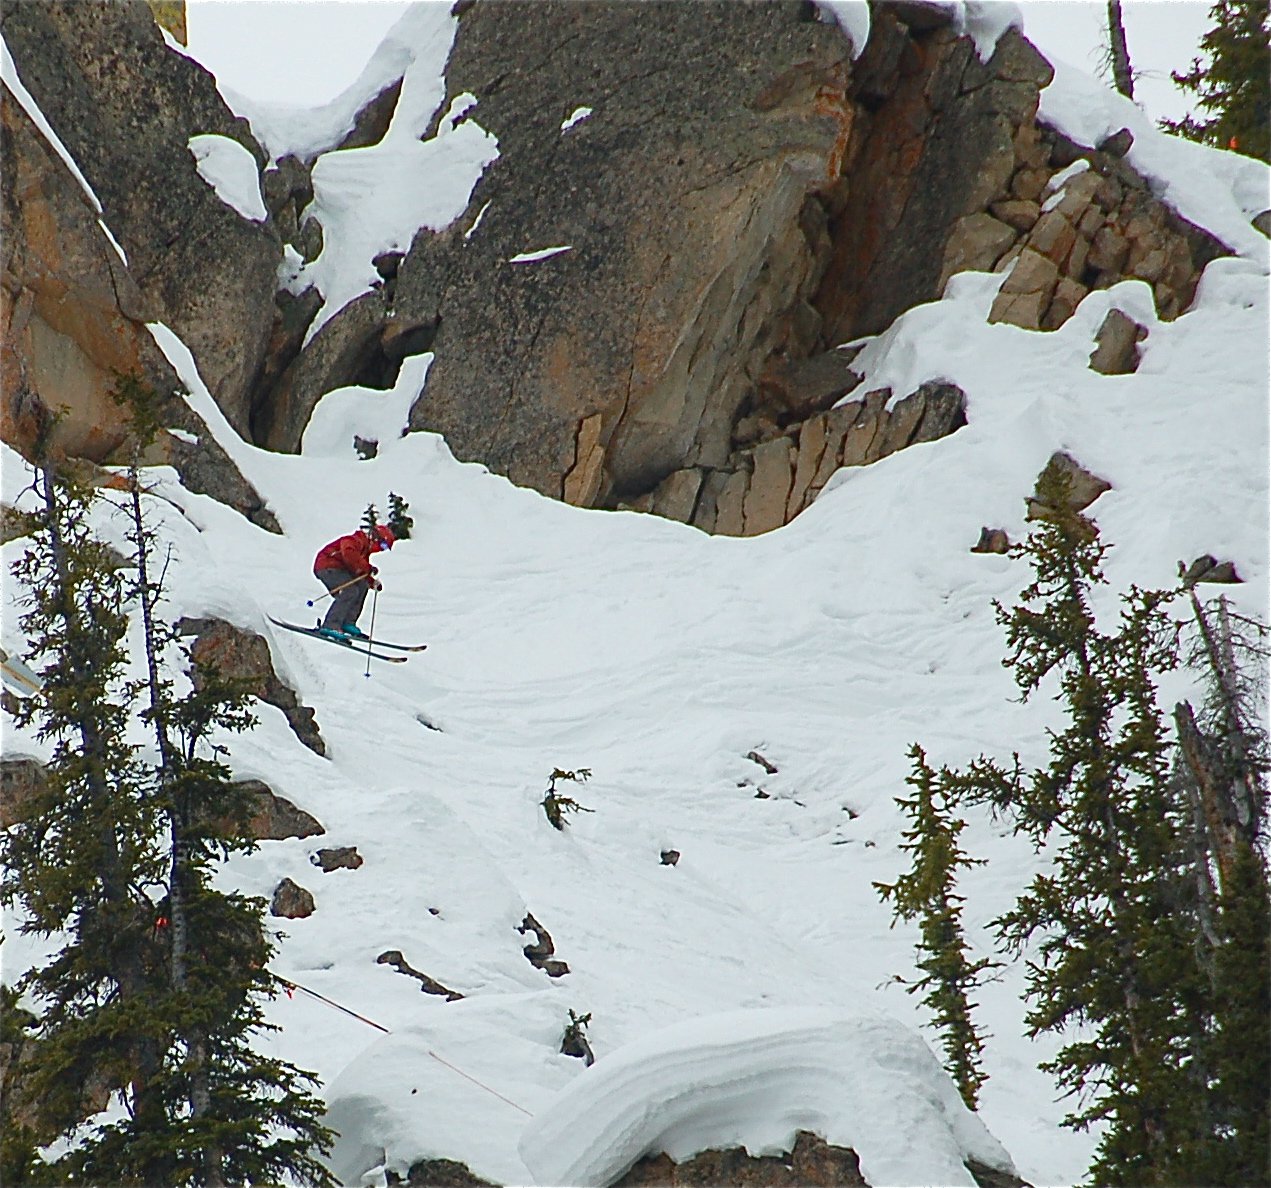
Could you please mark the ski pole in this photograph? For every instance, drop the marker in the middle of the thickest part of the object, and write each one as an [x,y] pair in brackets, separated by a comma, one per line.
[375,601]
[336,590]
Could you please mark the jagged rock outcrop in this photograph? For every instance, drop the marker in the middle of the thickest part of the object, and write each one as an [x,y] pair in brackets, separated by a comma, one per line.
[768,484]
[811,1161]
[723,237]
[1087,221]
[73,322]
[274,817]
[125,106]
[245,655]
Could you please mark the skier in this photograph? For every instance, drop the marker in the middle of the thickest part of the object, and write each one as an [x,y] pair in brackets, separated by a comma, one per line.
[344,567]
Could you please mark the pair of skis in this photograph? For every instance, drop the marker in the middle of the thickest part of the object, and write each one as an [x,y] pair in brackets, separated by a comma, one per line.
[363,646]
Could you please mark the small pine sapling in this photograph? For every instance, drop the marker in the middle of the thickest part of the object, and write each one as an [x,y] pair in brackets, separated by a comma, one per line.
[574,1041]
[399,519]
[927,894]
[556,805]
[370,518]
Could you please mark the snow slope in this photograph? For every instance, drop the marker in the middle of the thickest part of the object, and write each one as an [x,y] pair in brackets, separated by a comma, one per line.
[660,659]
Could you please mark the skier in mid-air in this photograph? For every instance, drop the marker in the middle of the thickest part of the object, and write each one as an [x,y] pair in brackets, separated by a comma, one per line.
[344,567]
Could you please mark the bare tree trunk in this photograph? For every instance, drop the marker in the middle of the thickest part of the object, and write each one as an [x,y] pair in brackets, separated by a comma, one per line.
[1122,75]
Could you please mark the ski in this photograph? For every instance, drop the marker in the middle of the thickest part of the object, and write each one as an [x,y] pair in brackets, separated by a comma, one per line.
[383,643]
[351,645]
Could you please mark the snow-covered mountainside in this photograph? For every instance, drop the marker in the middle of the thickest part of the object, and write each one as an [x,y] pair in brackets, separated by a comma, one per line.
[745,703]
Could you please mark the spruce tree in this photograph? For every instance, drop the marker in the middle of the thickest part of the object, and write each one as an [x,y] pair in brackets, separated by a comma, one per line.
[161,993]
[1224,768]
[1233,87]
[1113,918]
[399,519]
[927,894]
[84,864]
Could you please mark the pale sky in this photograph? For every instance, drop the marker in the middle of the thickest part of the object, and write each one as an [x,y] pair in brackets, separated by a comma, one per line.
[307,51]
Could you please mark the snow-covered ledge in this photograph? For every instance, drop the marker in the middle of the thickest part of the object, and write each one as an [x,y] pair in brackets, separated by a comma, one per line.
[754,1078]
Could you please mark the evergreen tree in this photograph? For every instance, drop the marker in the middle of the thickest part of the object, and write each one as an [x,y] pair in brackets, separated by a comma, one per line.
[85,862]
[399,516]
[1224,765]
[161,992]
[1114,917]
[1234,87]
[927,893]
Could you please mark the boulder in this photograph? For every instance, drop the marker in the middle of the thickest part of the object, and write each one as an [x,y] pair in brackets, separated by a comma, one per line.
[338,858]
[540,952]
[245,656]
[291,901]
[1082,487]
[1025,294]
[1207,568]
[992,540]
[125,106]
[1116,351]
[979,241]
[1118,144]
[443,1173]
[274,817]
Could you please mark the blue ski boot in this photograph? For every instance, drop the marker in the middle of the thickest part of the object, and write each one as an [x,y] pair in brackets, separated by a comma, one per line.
[353,631]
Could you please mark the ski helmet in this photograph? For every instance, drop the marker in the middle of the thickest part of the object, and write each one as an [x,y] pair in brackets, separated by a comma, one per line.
[384,536]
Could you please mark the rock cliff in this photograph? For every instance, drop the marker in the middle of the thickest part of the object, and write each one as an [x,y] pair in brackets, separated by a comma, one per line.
[741,197]
[733,192]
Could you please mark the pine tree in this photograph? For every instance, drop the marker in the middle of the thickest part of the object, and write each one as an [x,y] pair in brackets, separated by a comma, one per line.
[927,894]
[160,985]
[240,1118]
[1224,766]
[83,863]
[1234,87]
[399,516]
[1114,918]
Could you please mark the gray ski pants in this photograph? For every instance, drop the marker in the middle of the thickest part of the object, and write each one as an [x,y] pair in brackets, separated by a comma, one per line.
[345,606]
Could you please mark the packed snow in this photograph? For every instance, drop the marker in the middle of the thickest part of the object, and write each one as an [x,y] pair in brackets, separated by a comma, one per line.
[748,989]
[756,1078]
[540,254]
[231,171]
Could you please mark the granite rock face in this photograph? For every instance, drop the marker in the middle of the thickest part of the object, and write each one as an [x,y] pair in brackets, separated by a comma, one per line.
[742,197]
[125,107]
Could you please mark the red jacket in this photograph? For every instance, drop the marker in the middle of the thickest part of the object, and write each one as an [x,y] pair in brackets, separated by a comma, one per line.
[351,553]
